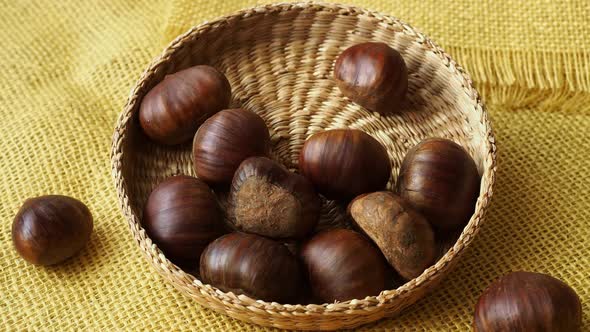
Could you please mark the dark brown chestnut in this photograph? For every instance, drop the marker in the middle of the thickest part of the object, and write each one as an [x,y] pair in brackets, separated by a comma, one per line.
[372,75]
[267,199]
[440,180]
[405,238]
[252,265]
[171,112]
[225,140]
[445,241]
[182,217]
[49,229]
[344,163]
[343,265]
[293,246]
[528,301]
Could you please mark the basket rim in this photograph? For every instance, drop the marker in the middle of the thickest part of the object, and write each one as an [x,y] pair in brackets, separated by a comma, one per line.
[367,304]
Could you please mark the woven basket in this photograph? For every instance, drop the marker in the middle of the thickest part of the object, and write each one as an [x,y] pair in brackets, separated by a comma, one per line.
[279,61]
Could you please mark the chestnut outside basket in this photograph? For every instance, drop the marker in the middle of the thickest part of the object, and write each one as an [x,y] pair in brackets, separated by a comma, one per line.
[279,60]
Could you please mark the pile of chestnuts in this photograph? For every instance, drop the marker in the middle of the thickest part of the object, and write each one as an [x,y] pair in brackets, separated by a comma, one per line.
[263,242]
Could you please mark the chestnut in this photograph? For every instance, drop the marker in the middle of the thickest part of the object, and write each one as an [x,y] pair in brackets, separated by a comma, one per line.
[225,140]
[252,265]
[293,246]
[440,180]
[268,200]
[182,216]
[528,301]
[49,229]
[372,75]
[405,238]
[343,265]
[344,163]
[445,241]
[171,112]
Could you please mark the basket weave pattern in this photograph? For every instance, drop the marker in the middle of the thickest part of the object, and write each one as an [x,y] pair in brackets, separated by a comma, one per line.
[279,61]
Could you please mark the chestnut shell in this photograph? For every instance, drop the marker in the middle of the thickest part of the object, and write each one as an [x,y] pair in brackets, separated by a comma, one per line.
[182,217]
[440,180]
[342,265]
[171,112]
[268,200]
[372,75]
[344,163]
[528,301]
[404,236]
[252,265]
[225,140]
[49,229]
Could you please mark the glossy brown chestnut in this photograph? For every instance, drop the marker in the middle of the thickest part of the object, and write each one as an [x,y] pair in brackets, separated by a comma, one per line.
[405,238]
[49,229]
[445,241]
[171,112]
[440,180]
[293,246]
[343,265]
[225,140]
[267,199]
[252,265]
[344,163]
[182,217]
[372,75]
[528,301]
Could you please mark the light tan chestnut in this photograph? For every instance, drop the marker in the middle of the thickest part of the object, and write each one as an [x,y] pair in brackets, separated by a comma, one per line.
[403,235]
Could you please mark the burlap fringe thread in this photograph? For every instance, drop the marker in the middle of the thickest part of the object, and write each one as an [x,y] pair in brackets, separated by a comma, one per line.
[527,69]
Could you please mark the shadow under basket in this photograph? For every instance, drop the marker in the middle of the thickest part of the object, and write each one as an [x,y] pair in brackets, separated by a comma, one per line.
[279,60]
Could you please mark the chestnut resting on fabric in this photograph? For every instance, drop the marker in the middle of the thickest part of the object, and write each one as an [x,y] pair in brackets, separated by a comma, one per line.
[49,229]
[528,301]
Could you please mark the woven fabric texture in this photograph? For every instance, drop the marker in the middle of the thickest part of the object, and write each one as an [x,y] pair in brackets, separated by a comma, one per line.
[65,72]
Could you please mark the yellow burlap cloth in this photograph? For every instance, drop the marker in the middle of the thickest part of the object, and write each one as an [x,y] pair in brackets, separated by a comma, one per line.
[66,68]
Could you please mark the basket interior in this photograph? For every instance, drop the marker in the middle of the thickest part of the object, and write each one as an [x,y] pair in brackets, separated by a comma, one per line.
[281,67]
